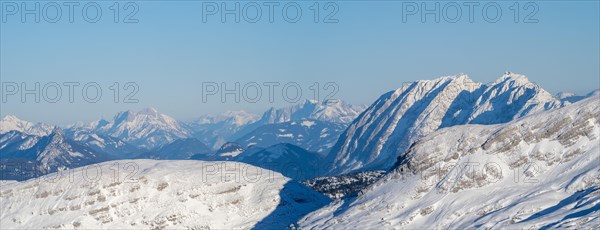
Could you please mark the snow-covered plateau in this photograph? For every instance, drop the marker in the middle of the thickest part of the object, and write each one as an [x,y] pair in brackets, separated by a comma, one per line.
[150,194]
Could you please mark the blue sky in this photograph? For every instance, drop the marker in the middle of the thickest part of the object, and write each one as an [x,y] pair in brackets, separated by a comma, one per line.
[170,52]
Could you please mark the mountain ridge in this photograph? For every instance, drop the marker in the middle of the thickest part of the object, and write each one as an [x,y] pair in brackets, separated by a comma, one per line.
[538,171]
[402,116]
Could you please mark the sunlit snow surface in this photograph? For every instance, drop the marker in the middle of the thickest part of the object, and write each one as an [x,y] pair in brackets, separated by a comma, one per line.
[541,171]
[145,194]
[400,117]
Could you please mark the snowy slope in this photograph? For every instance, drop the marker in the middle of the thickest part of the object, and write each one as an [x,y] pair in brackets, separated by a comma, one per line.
[313,135]
[541,171]
[145,129]
[148,194]
[401,117]
[10,122]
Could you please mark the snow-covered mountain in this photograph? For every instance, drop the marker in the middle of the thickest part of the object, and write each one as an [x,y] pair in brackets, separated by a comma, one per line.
[313,135]
[113,146]
[572,97]
[13,141]
[149,194]
[290,160]
[26,156]
[131,133]
[181,149]
[336,111]
[565,95]
[215,130]
[311,125]
[11,122]
[333,110]
[146,129]
[401,117]
[231,118]
[230,149]
[537,172]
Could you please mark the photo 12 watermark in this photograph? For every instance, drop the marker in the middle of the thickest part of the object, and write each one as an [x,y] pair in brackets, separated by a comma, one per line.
[69,11]
[470,11]
[270,12]
[70,92]
[254,92]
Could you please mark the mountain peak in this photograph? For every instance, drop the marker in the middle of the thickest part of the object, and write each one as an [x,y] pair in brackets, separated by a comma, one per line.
[149,111]
[10,118]
[12,122]
[425,106]
[56,138]
[563,95]
[236,117]
[130,115]
[513,77]
[462,77]
[57,131]
[332,110]
[459,79]
[329,102]
[123,115]
[146,128]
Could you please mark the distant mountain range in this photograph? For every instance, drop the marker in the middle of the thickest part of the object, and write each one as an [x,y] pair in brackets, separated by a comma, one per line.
[314,135]
[571,97]
[340,136]
[330,116]
[216,130]
[25,156]
[10,122]
[152,135]
[442,153]
[146,129]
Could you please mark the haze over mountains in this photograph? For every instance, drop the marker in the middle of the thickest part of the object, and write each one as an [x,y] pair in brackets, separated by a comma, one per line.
[442,153]
[215,130]
[372,141]
[149,134]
